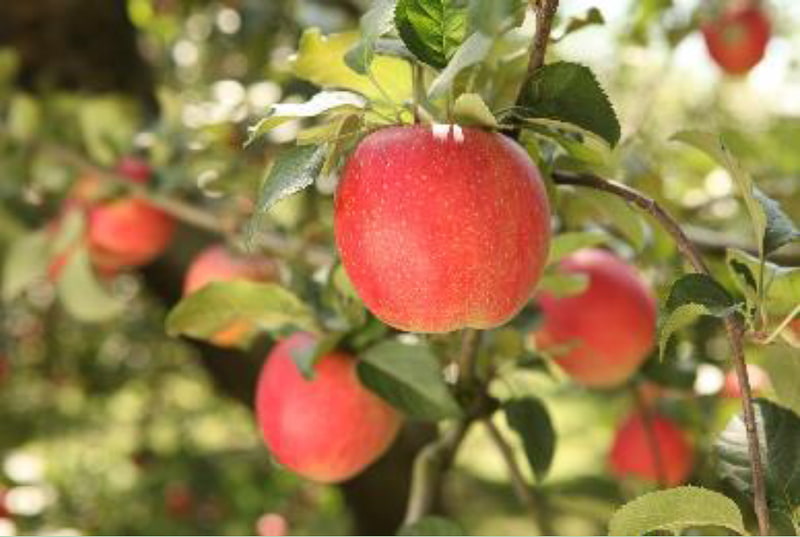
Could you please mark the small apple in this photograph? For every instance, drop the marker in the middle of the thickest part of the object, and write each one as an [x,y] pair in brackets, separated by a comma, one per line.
[441,228]
[738,38]
[632,452]
[601,335]
[217,263]
[272,525]
[328,428]
[759,382]
[178,500]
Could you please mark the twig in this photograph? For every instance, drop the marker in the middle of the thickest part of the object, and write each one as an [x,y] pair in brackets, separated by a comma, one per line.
[545,11]
[435,459]
[733,324]
[650,431]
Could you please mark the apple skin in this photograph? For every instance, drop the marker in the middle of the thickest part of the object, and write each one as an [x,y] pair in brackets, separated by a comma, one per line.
[631,453]
[329,428]
[602,335]
[438,233]
[759,382]
[737,39]
[272,525]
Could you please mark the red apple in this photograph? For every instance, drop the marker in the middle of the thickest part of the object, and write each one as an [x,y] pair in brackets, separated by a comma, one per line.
[602,335]
[442,230]
[272,525]
[737,39]
[178,500]
[759,382]
[326,429]
[5,367]
[632,451]
[217,263]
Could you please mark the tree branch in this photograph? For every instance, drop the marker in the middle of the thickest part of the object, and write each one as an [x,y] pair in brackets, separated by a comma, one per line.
[733,324]
[545,11]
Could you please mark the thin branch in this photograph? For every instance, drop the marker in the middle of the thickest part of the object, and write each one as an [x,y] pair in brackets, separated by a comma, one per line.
[733,324]
[545,11]
[524,493]
[646,413]
[435,459]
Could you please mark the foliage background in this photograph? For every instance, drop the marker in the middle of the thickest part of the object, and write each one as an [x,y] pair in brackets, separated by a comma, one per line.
[117,429]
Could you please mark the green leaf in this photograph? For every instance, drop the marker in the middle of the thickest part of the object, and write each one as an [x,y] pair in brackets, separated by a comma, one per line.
[305,359]
[779,436]
[432,29]
[471,52]
[570,242]
[492,17]
[563,284]
[692,296]
[783,367]
[25,261]
[292,171]
[408,377]
[569,92]
[675,510]
[470,109]
[24,117]
[82,295]
[374,23]
[432,525]
[780,229]
[249,306]
[772,227]
[320,60]
[108,126]
[322,102]
[592,17]
[781,284]
[531,421]
[600,206]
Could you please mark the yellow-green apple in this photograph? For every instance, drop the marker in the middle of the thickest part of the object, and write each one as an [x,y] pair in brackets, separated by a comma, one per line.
[217,263]
[737,38]
[632,451]
[442,227]
[601,335]
[327,428]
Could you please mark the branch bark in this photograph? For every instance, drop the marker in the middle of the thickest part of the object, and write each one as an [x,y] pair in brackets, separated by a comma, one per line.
[545,11]
[733,324]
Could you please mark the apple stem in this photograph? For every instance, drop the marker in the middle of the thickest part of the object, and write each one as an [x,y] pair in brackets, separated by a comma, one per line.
[545,11]
[649,429]
[418,81]
[733,324]
[525,495]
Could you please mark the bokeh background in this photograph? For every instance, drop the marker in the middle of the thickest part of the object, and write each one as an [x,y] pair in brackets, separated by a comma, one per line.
[115,428]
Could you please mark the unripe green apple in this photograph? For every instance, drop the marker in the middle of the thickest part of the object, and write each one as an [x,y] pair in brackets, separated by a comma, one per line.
[328,428]
[216,264]
[601,335]
[738,38]
[443,227]
[632,451]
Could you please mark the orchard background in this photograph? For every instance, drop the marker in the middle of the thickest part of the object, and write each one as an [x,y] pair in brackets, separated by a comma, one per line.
[168,178]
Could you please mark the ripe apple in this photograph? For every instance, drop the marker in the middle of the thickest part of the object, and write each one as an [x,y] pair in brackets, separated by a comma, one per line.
[272,525]
[737,39]
[178,500]
[217,263]
[328,428]
[4,370]
[632,453]
[601,335]
[759,382]
[441,228]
